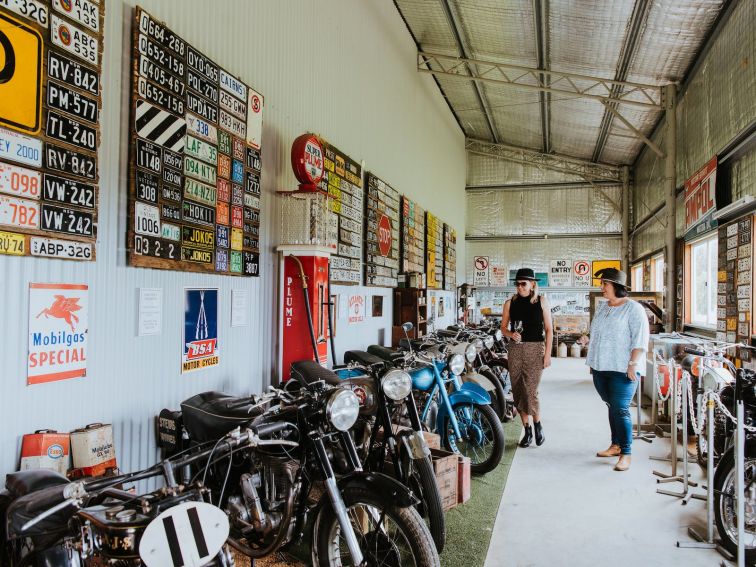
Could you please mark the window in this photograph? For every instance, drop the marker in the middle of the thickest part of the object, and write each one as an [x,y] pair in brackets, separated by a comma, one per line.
[657,273]
[636,277]
[703,282]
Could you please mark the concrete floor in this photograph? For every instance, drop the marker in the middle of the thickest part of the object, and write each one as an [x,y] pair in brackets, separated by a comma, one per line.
[562,506]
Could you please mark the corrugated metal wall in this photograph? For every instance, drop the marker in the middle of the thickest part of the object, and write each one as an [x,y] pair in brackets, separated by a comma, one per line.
[345,70]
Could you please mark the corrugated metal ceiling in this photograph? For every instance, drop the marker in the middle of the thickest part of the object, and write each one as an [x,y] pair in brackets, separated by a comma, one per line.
[646,41]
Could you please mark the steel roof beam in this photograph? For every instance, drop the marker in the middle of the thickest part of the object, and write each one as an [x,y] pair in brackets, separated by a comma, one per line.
[527,78]
[541,17]
[539,186]
[545,236]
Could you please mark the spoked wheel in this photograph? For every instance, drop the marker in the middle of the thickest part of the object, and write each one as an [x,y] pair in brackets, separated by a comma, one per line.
[510,411]
[725,504]
[498,398]
[387,535]
[422,482]
[482,436]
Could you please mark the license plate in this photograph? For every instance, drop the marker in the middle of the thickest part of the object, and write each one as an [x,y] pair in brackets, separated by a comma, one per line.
[251,229]
[237,239]
[70,131]
[155,247]
[239,147]
[12,244]
[251,215]
[221,261]
[253,183]
[160,97]
[157,54]
[251,201]
[72,39]
[236,262]
[56,248]
[224,190]
[201,128]
[199,192]
[200,214]
[221,213]
[170,212]
[237,172]
[19,181]
[198,237]
[19,212]
[232,124]
[202,86]
[201,107]
[251,263]
[69,192]
[197,255]
[253,159]
[224,142]
[31,9]
[172,177]
[224,166]
[233,105]
[146,219]
[201,150]
[200,170]
[65,220]
[237,195]
[161,34]
[81,11]
[170,231]
[221,236]
[160,76]
[66,100]
[237,217]
[253,243]
[232,85]
[20,148]
[70,161]
[200,63]
[149,155]
[72,73]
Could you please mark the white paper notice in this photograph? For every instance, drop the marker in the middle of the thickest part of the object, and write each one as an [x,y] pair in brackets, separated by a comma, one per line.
[150,311]
[239,307]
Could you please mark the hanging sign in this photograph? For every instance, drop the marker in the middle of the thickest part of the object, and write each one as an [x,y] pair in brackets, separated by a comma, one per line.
[498,276]
[481,270]
[581,273]
[602,264]
[20,74]
[200,345]
[700,200]
[560,273]
[58,332]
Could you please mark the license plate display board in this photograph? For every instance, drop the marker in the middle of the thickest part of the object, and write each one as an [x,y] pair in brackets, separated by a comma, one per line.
[50,127]
[450,258]
[193,124]
[381,233]
[434,251]
[413,237]
[342,179]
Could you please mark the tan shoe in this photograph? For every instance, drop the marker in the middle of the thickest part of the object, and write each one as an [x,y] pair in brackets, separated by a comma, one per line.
[623,464]
[612,451]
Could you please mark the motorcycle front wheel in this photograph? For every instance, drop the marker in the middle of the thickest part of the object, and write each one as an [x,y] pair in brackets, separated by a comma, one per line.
[498,398]
[482,437]
[725,502]
[387,534]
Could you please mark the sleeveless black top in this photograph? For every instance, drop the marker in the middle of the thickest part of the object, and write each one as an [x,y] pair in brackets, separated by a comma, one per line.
[531,315]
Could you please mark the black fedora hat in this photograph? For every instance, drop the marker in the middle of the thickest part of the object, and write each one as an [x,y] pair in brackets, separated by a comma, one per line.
[613,275]
[525,274]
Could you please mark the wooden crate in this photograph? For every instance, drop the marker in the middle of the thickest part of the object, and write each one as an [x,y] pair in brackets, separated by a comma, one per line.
[445,465]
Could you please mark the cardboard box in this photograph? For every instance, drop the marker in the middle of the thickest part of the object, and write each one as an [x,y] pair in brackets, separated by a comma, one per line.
[445,466]
[93,450]
[46,449]
[433,440]
[463,479]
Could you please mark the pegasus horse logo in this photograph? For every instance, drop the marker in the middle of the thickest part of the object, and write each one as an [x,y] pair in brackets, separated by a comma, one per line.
[63,308]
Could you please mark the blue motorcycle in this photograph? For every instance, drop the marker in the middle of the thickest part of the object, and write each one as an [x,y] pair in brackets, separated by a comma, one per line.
[460,413]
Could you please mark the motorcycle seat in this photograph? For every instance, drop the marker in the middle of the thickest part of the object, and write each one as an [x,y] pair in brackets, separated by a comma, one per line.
[211,415]
[387,354]
[23,482]
[28,506]
[417,344]
[365,359]
[309,371]
[447,334]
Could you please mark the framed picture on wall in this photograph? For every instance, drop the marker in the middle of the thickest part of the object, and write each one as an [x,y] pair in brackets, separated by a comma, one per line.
[377,306]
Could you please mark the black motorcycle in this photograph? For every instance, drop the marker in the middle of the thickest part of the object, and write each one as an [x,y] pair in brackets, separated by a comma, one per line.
[275,495]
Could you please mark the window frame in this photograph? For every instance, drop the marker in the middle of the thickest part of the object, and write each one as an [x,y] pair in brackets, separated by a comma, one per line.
[712,237]
[636,281]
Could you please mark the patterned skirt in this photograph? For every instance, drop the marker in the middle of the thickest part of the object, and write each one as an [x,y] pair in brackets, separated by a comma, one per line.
[525,369]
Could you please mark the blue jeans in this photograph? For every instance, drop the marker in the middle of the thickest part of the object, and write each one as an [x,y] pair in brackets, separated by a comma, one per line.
[617,391]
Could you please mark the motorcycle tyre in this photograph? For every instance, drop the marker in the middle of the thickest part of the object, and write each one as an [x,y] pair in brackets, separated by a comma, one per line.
[498,398]
[726,464]
[424,480]
[407,519]
[498,442]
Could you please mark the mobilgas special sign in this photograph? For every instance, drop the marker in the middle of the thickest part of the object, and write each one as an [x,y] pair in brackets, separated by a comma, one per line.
[58,332]
[200,346]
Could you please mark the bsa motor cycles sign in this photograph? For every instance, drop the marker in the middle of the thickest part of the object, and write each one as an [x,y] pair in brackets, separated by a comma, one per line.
[200,346]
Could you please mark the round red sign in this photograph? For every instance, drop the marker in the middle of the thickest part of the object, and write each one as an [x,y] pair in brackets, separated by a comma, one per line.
[307,159]
[385,236]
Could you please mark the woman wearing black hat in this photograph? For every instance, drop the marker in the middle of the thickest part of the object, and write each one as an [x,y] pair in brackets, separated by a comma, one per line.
[531,332]
[616,356]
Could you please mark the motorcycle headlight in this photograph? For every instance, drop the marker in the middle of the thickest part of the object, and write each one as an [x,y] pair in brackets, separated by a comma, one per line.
[457,363]
[342,409]
[488,341]
[478,344]
[499,335]
[396,384]
[471,352]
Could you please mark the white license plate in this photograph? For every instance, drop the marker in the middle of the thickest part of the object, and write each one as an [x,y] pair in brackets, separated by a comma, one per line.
[82,11]
[31,9]
[200,170]
[233,85]
[201,128]
[201,150]
[251,201]
[171,231]
[233,124]
[74,40]
[233,105]
[147,219]
[19,212]
[56,248]
[19,148]
[19,181]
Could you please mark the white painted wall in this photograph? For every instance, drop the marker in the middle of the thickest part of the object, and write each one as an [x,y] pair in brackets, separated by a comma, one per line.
[342,69]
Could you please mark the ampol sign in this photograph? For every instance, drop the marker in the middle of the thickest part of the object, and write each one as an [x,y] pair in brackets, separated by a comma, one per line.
[701,200]
[57,332]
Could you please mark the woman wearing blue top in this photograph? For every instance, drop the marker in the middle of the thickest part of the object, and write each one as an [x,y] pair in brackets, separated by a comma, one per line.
[616,356]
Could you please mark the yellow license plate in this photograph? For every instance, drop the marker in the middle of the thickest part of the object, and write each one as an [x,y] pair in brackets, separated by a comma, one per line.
[11,243]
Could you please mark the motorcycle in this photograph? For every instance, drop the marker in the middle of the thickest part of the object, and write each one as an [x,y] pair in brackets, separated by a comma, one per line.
[276,495]
[385,395]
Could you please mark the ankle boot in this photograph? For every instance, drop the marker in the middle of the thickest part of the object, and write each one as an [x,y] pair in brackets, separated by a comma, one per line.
[539,436]
[612,451]
[527,438]
[623,463]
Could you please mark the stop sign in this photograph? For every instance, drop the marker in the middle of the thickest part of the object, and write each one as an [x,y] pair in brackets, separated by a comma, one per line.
[384,235]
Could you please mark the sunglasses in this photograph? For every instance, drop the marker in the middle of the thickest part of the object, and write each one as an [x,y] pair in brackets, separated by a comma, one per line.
[521,284]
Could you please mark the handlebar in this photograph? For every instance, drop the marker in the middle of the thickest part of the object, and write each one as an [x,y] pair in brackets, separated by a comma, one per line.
[694,351]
